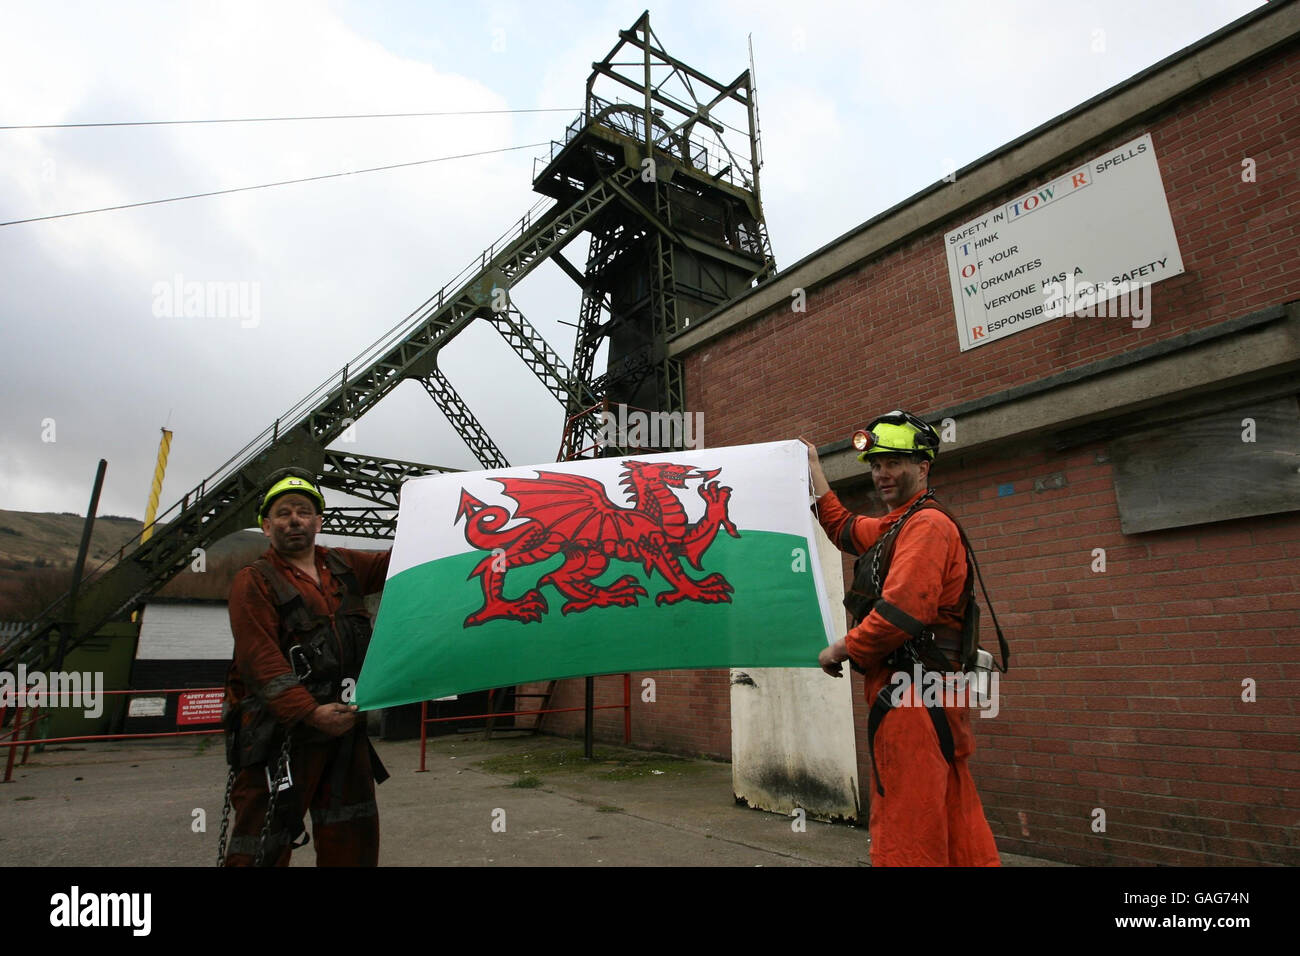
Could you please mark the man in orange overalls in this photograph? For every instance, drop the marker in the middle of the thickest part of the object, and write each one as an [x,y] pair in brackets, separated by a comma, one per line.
[301,632]
[924,808]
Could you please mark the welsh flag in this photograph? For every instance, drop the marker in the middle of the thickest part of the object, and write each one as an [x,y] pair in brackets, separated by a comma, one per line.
[679,560]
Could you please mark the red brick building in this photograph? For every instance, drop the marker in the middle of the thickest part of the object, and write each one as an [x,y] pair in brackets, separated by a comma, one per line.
[1161,690]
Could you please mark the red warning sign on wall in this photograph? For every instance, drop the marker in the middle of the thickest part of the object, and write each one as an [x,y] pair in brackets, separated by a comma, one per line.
[199,707]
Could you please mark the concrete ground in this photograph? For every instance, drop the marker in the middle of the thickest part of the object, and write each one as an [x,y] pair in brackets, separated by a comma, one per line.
[529,801]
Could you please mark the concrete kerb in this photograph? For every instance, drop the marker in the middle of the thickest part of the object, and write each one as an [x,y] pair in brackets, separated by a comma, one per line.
[134,804]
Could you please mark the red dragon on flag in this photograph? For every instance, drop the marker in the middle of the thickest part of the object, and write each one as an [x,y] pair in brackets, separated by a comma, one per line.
[572,515]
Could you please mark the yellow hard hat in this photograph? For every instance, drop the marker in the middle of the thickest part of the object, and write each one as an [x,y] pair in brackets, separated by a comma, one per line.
[896,433]
[290,485]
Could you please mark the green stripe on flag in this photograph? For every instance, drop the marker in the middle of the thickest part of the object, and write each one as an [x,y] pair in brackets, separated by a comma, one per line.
[421,650]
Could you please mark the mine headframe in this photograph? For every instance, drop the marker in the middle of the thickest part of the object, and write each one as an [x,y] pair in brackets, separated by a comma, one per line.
[686,235]
[676,230]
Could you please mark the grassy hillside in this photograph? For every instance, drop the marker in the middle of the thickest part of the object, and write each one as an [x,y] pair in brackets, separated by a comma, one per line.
[35,540]
[37,552]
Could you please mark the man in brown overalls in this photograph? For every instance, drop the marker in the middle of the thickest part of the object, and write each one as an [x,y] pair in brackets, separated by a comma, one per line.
[301,632]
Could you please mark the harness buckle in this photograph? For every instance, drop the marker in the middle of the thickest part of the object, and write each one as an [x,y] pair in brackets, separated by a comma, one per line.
[910,647]
[299,656]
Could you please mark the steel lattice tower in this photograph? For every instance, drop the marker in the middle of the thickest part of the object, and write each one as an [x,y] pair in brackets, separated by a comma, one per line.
[676,230]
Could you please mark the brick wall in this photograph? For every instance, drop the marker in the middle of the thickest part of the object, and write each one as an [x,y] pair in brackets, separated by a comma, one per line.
[690,712]
[885,333]
[1125,693]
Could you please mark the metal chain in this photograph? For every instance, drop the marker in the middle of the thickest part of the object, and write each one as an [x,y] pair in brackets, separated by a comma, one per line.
[225,818]
[884,538]
[908,646]
[281,769]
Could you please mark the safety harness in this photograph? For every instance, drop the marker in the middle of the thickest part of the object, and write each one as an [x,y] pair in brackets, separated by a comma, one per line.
[323,651]
[932,647]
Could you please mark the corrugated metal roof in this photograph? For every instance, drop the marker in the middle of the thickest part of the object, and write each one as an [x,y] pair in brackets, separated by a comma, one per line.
[184,631]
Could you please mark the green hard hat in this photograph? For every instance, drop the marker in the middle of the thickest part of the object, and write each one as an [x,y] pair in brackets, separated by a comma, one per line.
[290,485]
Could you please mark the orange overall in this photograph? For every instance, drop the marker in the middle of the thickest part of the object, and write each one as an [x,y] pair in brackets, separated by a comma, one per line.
[332,777]
[930,814]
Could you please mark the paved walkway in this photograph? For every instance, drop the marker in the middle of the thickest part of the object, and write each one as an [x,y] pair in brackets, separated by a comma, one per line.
[135,803]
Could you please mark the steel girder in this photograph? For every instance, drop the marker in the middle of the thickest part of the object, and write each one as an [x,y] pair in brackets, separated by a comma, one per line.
[361,522]
[471,431]
[376,479]
[225,501]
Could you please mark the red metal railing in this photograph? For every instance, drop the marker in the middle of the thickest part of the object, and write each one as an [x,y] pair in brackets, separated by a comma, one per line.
[425,720]
[626,707]
[17,729]
[26,744]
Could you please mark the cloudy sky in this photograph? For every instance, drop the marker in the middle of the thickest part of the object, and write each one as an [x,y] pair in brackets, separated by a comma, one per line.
[862,104]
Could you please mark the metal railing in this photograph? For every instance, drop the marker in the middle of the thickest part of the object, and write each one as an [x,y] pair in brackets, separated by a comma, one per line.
[426,720]
[710,157]
[14,743]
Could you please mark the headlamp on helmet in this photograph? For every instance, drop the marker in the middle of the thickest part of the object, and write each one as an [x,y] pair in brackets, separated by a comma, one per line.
[896,433]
